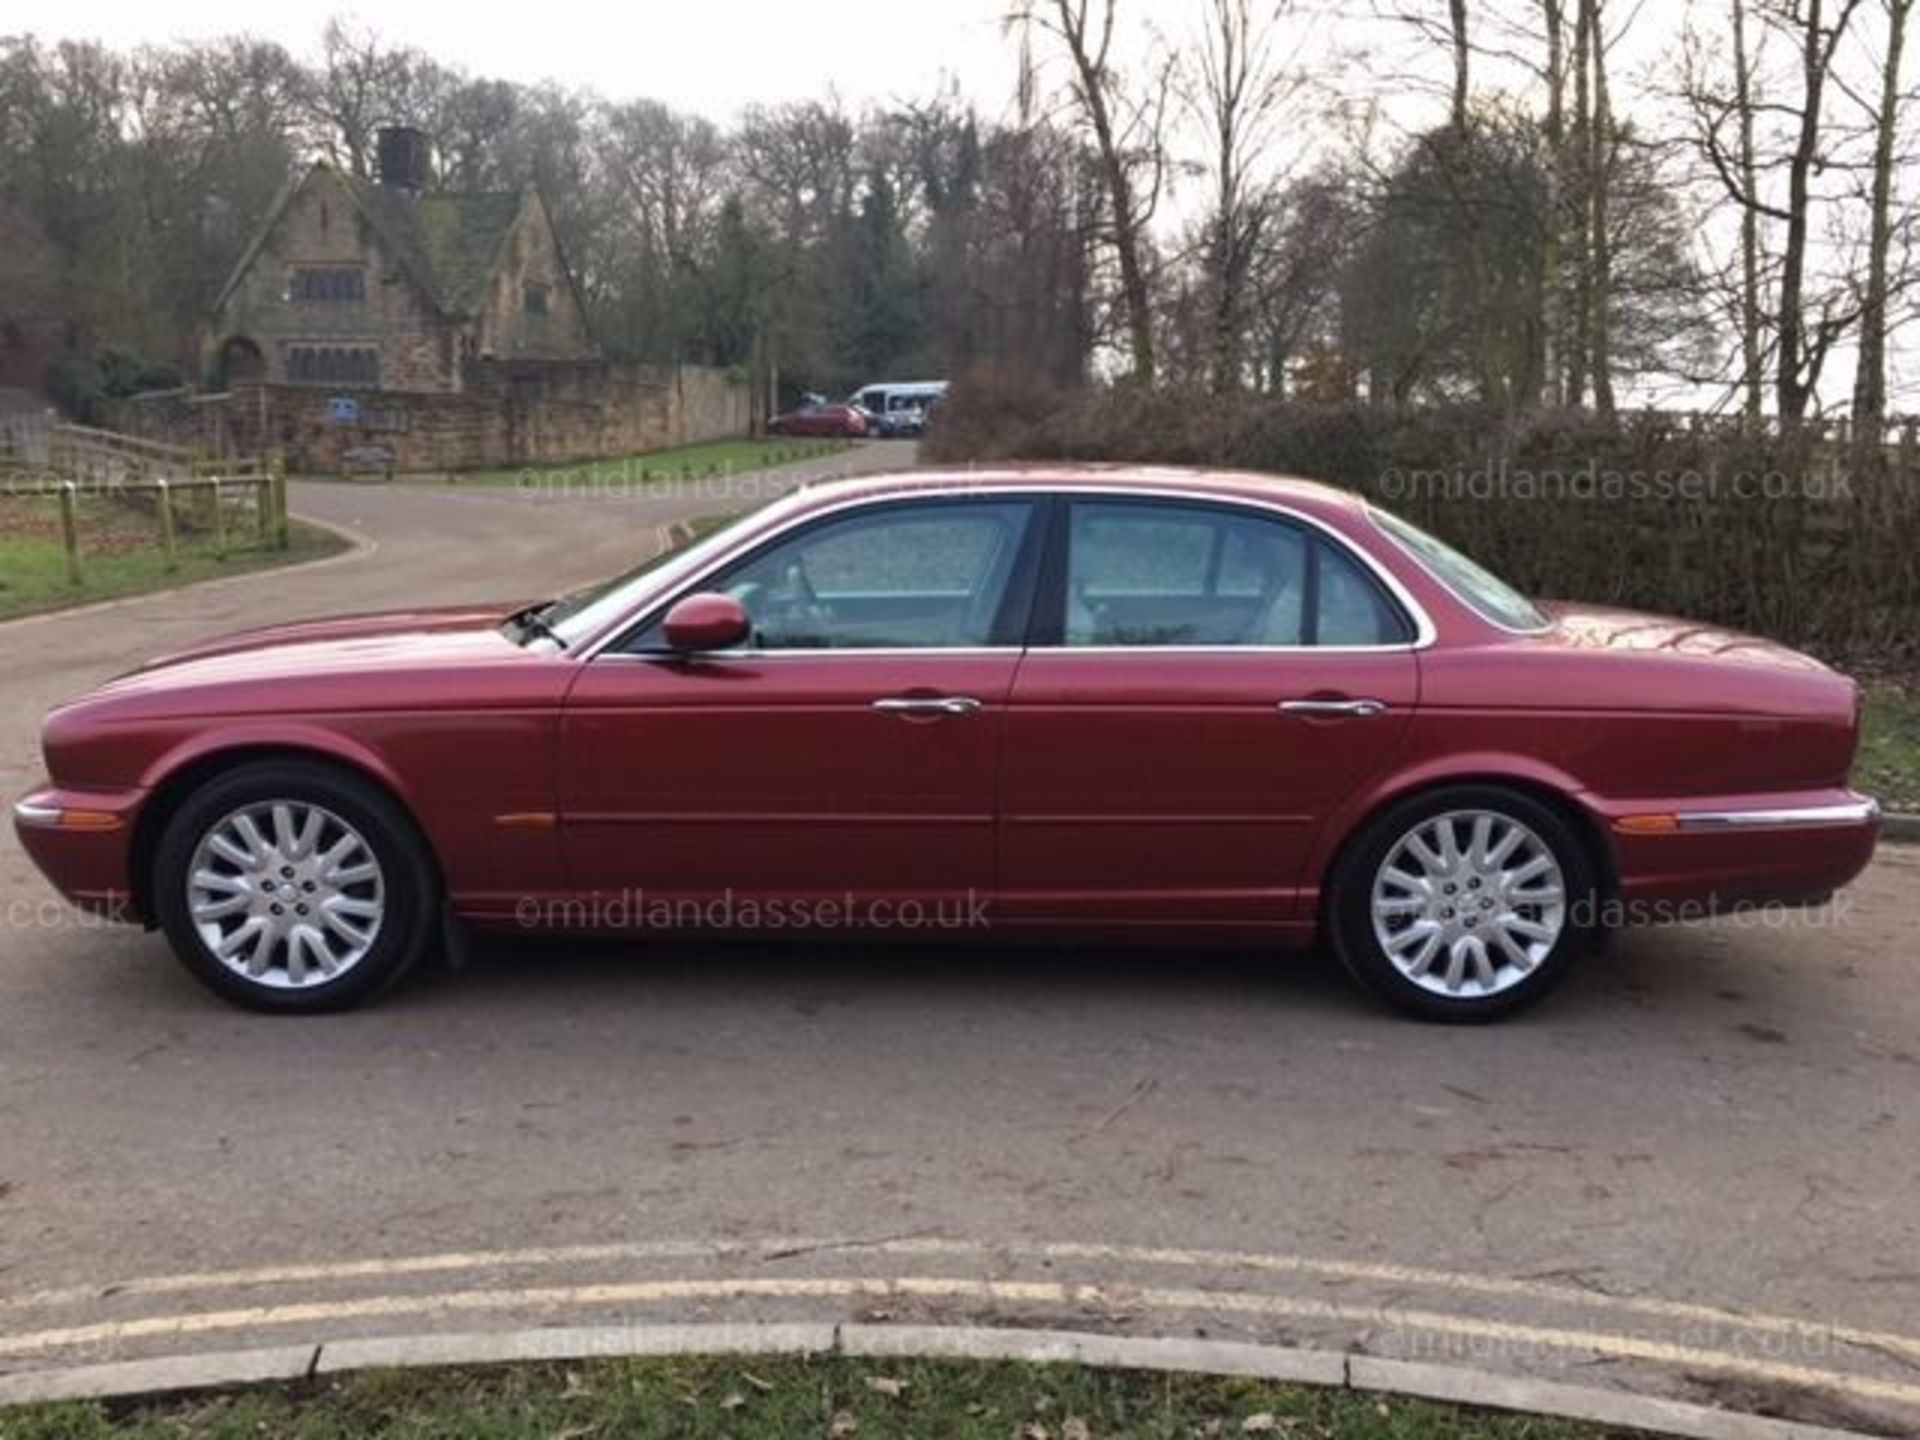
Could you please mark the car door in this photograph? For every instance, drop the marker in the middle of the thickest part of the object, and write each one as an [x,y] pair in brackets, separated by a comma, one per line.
[845,756]
[1208,680]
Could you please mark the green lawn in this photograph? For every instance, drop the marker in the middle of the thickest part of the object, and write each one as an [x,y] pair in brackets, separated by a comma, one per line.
[688,462]
[120,553]
[1889,765]
[786,1399]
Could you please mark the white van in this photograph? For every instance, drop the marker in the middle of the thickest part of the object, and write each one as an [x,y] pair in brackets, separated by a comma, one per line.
[898,407]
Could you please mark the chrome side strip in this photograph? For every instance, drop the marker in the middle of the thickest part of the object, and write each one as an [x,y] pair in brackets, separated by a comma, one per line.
[1858,812]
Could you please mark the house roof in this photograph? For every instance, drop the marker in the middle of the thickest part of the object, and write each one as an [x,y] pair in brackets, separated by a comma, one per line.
[448,243]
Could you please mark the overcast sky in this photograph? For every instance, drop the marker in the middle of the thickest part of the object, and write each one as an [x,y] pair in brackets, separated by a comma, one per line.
[713,56]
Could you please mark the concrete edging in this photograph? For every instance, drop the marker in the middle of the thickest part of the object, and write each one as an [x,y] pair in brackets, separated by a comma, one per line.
[1900,829]
[1287,1365]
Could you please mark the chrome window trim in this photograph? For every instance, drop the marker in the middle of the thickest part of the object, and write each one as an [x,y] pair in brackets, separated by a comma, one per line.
[1224,649]
[1425,632]
[845,652]
[1854,812]
[1373,513]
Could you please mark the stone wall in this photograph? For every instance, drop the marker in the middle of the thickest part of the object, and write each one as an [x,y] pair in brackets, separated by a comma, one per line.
[512,413]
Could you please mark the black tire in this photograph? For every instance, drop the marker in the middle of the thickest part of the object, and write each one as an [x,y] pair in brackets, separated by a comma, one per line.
[409,885]
[1349,907]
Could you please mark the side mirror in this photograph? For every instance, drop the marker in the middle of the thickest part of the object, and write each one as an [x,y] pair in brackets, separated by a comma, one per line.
[708,621]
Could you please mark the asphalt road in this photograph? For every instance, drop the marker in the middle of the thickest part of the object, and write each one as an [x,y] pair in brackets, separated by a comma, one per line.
[1695,1172]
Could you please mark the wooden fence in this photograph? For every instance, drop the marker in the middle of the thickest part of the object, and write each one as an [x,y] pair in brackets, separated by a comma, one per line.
[202,502]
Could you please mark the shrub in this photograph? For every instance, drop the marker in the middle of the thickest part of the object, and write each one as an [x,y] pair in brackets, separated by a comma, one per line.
[1778,535]
[79,383]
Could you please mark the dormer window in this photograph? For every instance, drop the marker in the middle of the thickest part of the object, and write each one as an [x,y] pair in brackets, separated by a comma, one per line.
[327,285]
[533,296]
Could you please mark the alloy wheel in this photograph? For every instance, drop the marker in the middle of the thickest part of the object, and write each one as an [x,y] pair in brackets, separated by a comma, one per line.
[1468,903]
[286,894]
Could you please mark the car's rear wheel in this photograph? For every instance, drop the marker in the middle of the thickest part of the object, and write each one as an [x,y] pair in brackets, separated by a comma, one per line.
[1463,904]
[293,887]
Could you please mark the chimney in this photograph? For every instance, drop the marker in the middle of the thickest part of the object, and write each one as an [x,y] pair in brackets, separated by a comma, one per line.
[403,158]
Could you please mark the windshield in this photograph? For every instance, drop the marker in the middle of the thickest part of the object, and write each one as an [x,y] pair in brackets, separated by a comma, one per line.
[1483,591]
[580,613]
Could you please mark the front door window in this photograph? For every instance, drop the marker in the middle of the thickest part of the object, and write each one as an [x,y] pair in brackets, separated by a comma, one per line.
[923,576]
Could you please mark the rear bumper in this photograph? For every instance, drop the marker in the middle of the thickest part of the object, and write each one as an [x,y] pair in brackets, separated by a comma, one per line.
[1700,856]
[82,840]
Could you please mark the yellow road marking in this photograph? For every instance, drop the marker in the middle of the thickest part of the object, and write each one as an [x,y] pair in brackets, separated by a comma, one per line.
[945,1287]
[324,1271]
[1681,1310]
[1379,1273]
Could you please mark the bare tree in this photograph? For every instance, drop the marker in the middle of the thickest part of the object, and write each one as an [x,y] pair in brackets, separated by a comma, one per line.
[363,83]
[1299,274]
[473,123]
[1718,98]
[1553,279]
[1238,91]
[1781,140]
[1870,378]
[1747,184]
[1462,57]
[1579,182]
[1598,172]
[1128,133]
[1799,353]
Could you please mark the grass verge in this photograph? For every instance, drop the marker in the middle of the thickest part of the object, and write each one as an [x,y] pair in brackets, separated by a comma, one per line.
[768,1398]
[705,461]
[702,526]
[1889,764]
[120,555]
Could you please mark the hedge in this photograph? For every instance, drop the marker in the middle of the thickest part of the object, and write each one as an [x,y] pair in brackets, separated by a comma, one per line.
[1795,536]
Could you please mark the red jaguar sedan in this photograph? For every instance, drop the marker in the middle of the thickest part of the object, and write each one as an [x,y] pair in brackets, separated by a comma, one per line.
[1115,704]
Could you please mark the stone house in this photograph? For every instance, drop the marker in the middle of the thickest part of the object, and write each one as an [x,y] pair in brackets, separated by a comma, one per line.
[390,285]
[390,325]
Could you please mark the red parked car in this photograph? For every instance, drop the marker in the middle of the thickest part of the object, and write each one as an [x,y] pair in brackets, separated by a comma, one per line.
[845,422]
[1089,703]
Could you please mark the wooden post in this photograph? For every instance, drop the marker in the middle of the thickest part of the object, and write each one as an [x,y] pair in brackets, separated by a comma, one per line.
[756,370]
[219,521]
[163,494]
[263,506]
[70,531]
[277,474]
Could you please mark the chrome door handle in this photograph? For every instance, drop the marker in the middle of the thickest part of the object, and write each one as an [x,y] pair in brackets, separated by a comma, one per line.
[927,705]
[1360,709]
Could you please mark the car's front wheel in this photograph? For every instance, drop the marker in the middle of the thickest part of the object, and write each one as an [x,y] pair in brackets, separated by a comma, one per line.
[1463,904]
[293,887]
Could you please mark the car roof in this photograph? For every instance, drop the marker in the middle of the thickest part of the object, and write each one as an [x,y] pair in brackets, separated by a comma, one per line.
[1307,495]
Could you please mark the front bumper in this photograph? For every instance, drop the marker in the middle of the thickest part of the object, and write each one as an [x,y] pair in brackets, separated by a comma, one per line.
[1742,850]
[82,840]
